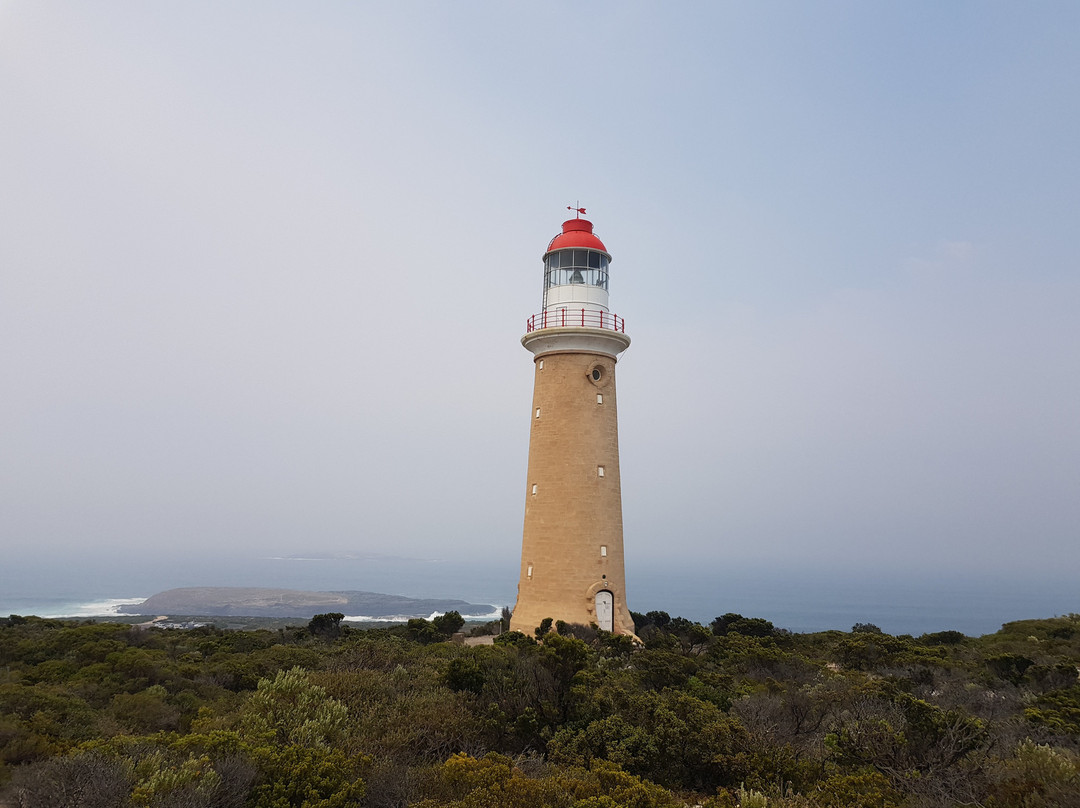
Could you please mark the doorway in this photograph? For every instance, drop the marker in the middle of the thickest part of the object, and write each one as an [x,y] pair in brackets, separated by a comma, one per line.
[605,610]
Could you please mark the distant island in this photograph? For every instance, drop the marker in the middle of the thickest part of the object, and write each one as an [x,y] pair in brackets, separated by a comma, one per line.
[231,601]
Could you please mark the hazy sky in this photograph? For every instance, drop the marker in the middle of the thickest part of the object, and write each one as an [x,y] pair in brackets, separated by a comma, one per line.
[264,268]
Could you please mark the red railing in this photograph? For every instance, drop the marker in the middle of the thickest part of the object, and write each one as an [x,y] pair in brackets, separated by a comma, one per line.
[583,318]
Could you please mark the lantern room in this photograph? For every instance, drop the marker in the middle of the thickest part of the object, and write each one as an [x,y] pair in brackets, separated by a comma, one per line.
[576,269]
[568,266]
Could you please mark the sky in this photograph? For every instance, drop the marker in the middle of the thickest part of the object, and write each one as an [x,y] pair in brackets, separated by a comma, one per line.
[264,268]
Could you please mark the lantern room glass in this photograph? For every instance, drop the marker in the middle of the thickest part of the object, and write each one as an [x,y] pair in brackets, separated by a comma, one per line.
[577,266]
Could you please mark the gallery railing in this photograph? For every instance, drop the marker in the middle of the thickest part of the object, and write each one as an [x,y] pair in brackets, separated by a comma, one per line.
[583,318]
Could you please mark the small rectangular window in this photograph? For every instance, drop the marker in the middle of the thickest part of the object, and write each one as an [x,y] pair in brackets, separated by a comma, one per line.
[541,364]
[528,574]
[534,489]
[599,471]
[603,551]
[599,398]
[537,412]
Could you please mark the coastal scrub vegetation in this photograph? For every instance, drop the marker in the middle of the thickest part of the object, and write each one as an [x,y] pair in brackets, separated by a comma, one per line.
[734,713]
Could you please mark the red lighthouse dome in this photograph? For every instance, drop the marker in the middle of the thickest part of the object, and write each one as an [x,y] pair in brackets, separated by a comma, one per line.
[576,233]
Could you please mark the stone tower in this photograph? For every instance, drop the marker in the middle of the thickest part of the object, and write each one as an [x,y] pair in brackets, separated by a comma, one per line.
[572,547]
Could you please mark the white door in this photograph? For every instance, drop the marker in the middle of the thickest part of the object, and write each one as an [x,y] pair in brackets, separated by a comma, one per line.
[605,609]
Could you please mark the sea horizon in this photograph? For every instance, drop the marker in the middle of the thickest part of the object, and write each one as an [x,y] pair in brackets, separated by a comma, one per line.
[796,599]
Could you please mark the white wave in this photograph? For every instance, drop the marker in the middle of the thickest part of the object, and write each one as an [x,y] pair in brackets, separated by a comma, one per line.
[98,608]
[389,618]
[404,618]
[495,614]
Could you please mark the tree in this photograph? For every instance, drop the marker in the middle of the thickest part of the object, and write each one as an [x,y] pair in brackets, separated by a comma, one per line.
[305,777]
[515,638]
[421,631]
[1037,776]
[294,711]
[448,624]
[148,711]
[464,673]
[496,780]
[658,619]
[670,738]
[168,780]
[82,781]
[1058,710]
[1010,667]
[732,623]
[942,638]
[919,747]
[543,628]
[327,626]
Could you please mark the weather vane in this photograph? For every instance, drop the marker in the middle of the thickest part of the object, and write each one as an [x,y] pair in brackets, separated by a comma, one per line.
[579,211]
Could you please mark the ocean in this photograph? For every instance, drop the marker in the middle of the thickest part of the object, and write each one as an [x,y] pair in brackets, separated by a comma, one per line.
[797,599]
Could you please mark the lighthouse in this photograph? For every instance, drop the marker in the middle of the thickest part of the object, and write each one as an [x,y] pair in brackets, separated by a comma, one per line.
[572,543]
